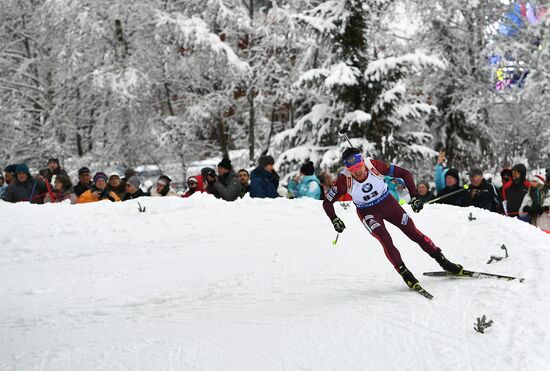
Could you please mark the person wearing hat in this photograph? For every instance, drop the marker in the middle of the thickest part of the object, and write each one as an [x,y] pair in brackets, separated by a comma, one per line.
[62,190]
[194,185]
[305,184]
[481,193]
[226,185]
[133,189]
[98,191]
[84,181]
[536,203]
[162,188]
[423,192]
[452,184]
[515,190]
[363,179]
[9,174]
[264,180]
[54,170]
[25,188]
[115,185]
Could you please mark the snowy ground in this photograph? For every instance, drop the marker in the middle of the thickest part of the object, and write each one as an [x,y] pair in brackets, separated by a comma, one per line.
[200,284]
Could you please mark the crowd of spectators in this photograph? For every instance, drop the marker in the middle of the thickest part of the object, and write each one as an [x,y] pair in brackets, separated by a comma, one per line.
[519,196]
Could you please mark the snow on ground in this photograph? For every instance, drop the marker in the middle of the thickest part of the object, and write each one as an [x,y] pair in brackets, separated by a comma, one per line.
[201,284]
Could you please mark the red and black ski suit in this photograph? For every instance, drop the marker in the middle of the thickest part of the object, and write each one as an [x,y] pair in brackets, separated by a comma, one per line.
[385,208]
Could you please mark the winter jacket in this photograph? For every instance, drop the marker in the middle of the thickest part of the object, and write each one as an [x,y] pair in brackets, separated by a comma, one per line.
[440,177]
[392,187]
[51,175]
[32,190]
[537,203]
[91,196]
[485,196]
[457,199]
[513,194]
[263,184]
[60,197]
[120,190]
[138,194]
[3,189]
[244,190]
[200,188]
[80,188]
[227,187]
[427,197]
[308,186]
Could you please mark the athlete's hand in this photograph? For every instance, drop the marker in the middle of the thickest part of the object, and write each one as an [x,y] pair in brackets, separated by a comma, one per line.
[339,225]
[416,204]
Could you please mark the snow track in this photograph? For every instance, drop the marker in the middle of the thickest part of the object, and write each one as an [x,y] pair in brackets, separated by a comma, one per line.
[200,284]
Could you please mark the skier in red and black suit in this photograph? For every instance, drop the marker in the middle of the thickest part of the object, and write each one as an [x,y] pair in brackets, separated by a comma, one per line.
[363,179]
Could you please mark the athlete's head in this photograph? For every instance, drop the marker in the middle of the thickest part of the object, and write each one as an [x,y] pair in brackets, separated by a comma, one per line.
[354,162]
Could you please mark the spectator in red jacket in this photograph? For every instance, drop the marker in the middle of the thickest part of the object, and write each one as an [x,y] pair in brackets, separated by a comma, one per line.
[195,184]
[515,190]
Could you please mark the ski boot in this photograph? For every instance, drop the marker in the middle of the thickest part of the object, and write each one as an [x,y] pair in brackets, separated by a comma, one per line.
[447,265]
[408,277]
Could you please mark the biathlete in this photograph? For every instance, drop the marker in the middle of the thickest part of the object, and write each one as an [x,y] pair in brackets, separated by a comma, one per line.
[363,179]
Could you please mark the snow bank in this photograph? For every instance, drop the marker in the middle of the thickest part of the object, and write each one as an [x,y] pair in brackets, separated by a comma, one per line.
[256,285]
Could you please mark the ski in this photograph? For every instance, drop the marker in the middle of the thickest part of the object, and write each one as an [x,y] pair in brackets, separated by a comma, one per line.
[473,274]
[421,291]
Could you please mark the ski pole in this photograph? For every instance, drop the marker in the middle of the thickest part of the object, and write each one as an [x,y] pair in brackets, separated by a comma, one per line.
[449,194]
[344,133]
[336,240]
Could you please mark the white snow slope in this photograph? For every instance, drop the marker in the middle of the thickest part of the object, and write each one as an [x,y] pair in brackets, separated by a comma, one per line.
[202,284]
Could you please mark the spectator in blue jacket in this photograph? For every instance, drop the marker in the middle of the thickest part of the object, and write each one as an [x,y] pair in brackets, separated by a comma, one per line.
[305,183]
[440,173]
[264,180]
[3,185]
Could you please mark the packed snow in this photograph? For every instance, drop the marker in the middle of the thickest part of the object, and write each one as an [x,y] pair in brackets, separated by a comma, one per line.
[201,284]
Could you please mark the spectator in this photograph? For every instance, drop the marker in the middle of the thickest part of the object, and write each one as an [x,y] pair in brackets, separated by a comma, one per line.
[536,203]
[84,181]
[115,185]
[3,185]
[244,179]
[305,183]
[9,174]
[194,184]
[98,191]
[423,192]
[162,189]
[452,185]
[226,185]
[440,173]
[63,190]
[505,176]
[481,193]
[133,189]
[26,188]
[264,180]
[515,190]
[54,170]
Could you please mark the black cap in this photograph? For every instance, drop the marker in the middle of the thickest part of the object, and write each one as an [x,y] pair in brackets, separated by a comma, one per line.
[225,163]
[266,160]
[307,168]
[54,160]
[84,170]
[10,168]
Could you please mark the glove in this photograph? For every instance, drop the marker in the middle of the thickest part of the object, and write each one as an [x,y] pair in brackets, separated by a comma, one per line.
[530,211]
[416,204]
[339,225]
